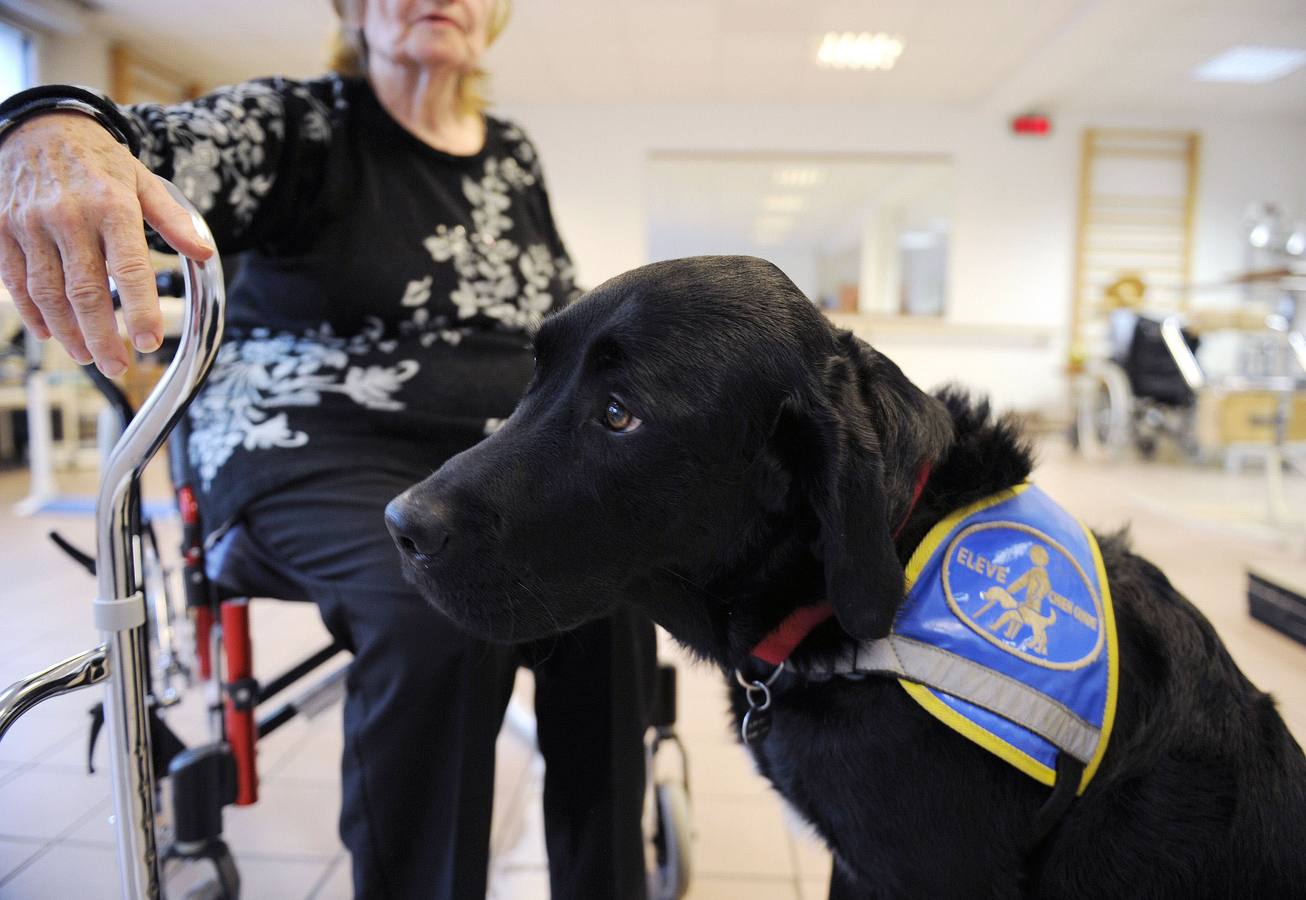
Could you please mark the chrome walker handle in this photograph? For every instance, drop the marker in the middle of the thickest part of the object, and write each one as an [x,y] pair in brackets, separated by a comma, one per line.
[122,661]
[120,604]
[72,674]
[201,334]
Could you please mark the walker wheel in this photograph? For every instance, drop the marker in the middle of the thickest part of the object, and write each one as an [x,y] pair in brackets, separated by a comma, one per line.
[670,878]
[1104,412]
[223,882]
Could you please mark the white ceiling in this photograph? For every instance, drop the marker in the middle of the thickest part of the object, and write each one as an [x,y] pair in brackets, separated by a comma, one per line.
[1162,52]
[1007,55]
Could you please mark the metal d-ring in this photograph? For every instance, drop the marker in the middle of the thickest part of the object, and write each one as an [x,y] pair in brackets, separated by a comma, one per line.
[757,721]
[763,686]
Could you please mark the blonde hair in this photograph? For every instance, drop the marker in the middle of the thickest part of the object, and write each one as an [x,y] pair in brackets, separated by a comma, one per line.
[349,51]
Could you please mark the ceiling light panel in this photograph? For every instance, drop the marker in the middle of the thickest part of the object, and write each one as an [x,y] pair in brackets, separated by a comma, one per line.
[799,177]
[1251,65]
[859,50]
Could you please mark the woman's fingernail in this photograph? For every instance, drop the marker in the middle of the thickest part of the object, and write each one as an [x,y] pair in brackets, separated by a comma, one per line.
[147,341]
[113,368]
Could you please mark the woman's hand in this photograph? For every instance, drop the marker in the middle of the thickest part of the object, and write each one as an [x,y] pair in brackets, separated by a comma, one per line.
[72,201]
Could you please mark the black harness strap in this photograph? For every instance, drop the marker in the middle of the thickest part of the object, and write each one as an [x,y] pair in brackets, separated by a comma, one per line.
[1070,772]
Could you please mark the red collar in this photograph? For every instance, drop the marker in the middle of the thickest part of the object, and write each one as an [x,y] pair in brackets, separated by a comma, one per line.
[776,647]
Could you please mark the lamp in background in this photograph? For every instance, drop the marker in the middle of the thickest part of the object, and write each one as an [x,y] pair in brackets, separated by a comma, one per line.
[1265,226]
[1295,243]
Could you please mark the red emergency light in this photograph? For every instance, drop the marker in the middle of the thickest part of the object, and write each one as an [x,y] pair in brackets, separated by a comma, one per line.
[1032,123]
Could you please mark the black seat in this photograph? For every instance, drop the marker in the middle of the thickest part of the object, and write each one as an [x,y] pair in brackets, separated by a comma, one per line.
[239,567]
[1151,368]
[236,565]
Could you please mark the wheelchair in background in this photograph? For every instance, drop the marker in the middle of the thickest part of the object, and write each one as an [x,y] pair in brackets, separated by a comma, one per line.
[1151,386]
[1139,396]
[168,797]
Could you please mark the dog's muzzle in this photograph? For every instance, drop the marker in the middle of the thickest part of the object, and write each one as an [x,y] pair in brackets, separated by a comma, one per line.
[418,530]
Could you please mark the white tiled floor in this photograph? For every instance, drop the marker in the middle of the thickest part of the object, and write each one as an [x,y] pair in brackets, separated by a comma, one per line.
[55,840]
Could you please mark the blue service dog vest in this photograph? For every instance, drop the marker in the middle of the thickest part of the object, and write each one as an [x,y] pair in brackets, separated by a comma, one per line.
[1007,633]
[1014,584]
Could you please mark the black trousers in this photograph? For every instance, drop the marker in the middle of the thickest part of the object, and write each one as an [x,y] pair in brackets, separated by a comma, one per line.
[424,703]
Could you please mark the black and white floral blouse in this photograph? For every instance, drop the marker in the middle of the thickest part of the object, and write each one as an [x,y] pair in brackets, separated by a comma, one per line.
[382,312]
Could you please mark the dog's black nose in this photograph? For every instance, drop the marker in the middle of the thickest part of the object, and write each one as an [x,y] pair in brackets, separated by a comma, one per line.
[415,528]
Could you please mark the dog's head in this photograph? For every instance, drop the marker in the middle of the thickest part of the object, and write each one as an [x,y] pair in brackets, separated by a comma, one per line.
[697,438]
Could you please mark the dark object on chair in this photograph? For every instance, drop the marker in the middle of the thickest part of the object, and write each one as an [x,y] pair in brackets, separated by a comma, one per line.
[1151,368]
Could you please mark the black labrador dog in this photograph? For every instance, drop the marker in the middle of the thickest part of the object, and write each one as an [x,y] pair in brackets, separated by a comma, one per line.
[698,440]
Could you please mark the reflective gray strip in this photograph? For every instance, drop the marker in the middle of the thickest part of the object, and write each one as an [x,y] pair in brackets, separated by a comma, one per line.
[969,681]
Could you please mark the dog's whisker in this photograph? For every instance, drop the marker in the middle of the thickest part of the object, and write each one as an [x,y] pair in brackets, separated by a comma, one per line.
[541,604]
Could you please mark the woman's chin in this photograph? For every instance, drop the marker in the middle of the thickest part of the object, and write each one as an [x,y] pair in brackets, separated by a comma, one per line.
[439,49]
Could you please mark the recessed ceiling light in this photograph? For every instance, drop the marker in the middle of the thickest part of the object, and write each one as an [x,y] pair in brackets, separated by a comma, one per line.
[799,177]
[783,203]
[1251,65]
[850,50]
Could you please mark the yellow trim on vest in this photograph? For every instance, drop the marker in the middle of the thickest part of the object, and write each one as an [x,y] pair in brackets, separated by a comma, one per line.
[1113,662]
[922,554]
[959,723]
[989,741]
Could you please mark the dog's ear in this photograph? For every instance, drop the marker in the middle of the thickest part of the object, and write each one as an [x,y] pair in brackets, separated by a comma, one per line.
[874,430]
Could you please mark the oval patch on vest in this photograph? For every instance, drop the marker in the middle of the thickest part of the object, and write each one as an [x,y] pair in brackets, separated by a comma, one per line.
[1022,591]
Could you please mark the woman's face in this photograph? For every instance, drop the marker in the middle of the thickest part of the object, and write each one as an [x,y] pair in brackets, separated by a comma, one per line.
[433,34]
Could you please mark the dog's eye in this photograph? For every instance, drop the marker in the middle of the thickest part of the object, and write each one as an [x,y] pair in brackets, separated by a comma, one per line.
[617,418]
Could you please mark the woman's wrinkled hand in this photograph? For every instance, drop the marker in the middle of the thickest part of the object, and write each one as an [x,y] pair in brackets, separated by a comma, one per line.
[72,205]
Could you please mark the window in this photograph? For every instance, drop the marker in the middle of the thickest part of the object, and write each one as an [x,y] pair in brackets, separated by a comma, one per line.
[15,59]
[856,233]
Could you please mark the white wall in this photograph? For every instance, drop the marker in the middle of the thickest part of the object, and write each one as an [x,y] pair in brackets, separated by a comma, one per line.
[1014,215]
[1013,223]
[798,262]
[1243,163]
[75,58]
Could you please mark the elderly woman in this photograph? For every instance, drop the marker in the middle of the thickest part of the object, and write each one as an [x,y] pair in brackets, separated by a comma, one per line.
[399,249]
